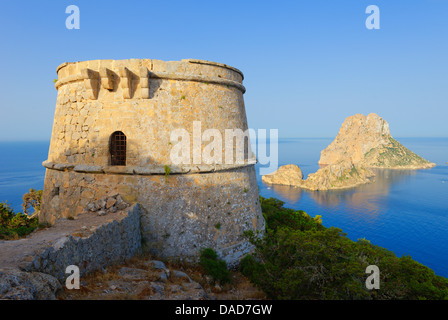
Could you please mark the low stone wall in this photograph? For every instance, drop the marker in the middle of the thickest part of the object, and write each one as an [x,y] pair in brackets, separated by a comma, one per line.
[181,213]
[90,242]
[108,244]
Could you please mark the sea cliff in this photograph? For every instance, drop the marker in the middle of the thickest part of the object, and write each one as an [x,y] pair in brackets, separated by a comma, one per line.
[363,143]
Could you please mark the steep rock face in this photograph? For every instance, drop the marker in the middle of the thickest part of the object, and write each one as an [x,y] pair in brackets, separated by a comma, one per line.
[289,175]
[357,135]
[362,143]
[367,142]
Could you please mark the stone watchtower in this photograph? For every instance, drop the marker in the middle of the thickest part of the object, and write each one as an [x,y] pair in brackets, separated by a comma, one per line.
[111,133]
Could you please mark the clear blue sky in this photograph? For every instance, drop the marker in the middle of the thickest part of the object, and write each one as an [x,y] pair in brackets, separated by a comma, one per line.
[307,64]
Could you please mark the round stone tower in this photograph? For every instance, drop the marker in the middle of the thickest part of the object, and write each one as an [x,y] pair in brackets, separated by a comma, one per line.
[113,133]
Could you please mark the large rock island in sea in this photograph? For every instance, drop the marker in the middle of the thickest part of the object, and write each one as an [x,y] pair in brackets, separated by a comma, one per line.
[361,144]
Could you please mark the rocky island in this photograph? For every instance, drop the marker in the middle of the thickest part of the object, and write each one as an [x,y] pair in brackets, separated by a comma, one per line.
[367,142]
[363,143]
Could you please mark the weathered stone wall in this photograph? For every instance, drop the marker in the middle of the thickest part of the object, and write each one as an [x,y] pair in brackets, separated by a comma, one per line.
[197,205]
[34,267]
[87,113]
[181,214]
[90,249]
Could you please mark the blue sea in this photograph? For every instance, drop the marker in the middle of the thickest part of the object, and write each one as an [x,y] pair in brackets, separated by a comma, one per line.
[403,211]
[21,169]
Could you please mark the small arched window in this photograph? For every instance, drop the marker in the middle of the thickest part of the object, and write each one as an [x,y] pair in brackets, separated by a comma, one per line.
[117,149]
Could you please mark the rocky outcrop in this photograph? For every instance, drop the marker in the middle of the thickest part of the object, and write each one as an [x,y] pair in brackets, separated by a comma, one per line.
[289,175]
[367,142]
[142,280]
[341,175]
[19,285]
[336,176]
[361,144]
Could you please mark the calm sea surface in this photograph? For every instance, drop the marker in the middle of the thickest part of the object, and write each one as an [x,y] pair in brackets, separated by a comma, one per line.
[403,211]
[21,169]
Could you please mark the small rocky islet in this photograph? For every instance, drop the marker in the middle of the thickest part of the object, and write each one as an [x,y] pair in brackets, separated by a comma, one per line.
[362,144]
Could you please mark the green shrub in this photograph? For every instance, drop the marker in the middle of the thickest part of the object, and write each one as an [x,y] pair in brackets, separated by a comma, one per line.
[214,267]
[16,225]
[167,172]
[277,216]
[298,258]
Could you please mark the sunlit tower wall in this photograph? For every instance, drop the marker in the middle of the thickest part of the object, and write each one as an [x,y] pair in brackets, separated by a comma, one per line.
[112,134]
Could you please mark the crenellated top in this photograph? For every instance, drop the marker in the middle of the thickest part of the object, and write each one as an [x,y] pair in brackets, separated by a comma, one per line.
[136,74]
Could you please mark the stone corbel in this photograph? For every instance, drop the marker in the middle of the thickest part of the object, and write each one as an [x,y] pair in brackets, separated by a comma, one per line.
[91,82]
[126,82]
[144,82]
[107,78]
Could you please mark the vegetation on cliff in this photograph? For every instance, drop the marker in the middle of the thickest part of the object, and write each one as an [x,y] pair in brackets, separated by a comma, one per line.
[366,141]
[395,155]
[299,258]
[16,225]
[214,267]
[296,258]
[361,144]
